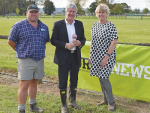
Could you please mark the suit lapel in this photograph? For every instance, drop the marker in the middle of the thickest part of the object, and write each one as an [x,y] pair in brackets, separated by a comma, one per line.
[65,30]
[76,28]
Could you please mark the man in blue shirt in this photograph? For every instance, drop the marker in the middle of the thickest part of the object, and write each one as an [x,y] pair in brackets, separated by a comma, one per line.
[28,38]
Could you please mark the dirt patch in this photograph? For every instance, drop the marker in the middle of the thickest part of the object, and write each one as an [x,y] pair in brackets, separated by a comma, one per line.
[50,86]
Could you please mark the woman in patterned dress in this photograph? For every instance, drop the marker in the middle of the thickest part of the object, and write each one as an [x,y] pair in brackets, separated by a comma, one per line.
[103,53]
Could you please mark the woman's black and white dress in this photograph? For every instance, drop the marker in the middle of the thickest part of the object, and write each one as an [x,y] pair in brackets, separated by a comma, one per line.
[102,35]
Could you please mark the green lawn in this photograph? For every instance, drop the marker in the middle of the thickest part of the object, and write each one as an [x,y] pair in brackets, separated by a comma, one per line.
[129,30]
[49,102]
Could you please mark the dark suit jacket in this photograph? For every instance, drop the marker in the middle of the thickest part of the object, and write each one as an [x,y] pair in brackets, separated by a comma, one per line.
[60,38]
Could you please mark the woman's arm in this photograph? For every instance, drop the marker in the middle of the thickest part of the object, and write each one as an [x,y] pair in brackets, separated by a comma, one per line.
[110,50]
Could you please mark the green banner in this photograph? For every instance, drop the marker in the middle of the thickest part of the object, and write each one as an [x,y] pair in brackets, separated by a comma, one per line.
[130,76]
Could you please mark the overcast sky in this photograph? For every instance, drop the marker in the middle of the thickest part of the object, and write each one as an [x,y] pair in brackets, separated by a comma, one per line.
[140,4]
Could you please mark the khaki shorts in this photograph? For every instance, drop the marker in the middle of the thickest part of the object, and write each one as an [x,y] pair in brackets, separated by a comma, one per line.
[29,69]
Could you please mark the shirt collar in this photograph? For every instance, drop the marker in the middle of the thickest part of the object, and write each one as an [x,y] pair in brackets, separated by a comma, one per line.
[39,22]
[68,23]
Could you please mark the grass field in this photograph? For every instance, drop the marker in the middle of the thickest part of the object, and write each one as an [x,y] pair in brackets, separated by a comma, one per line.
[129,31]
[49,102]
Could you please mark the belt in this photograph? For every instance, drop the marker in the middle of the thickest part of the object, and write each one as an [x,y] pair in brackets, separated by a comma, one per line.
[72,51]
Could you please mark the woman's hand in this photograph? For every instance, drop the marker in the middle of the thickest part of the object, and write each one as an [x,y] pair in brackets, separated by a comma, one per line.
[89,60]
[110,50]
[104,62]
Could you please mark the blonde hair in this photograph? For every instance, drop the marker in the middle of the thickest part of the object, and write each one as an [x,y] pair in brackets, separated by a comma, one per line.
[102,7]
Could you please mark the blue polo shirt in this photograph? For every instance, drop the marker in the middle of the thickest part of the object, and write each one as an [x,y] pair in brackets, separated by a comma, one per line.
[30,42]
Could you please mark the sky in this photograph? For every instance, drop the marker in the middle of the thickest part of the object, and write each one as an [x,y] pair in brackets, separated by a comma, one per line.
[140,4]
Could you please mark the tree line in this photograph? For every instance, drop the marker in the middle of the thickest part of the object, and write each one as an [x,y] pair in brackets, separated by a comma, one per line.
[20,6]
[115,8]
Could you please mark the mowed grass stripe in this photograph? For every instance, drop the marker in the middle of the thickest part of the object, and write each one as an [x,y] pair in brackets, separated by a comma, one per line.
[129,31]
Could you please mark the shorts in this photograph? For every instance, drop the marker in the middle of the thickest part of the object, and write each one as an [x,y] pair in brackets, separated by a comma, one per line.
[29,69]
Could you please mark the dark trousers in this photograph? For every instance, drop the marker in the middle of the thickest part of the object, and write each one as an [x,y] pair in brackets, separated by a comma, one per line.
[71,66]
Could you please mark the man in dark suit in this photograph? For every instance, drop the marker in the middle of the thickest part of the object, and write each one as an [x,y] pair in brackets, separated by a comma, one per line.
[68,37]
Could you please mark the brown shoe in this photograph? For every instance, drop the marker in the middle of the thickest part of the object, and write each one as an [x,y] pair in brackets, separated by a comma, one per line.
[112,107]
[34,108]
[102,103]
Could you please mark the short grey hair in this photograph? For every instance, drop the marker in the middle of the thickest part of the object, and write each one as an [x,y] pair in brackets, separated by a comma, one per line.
[71,6]
[102,7]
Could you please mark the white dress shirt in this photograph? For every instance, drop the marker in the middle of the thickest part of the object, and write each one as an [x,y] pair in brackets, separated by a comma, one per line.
[70,31]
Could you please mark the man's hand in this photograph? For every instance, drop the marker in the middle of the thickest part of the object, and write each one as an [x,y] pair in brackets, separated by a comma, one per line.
[69,46]
[76,42]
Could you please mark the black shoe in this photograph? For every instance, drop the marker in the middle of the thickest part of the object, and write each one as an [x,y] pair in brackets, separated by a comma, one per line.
[34,108]
[21,111]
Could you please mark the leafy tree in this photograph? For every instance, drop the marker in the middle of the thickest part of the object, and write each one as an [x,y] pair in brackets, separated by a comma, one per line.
[117,9]
[87,11]
[12,7]
[111,6]
[92,7]
[23,4]
[121,9]
[125,8]
[0,10]
[145,11]
[107,2]
[3,4]
[7,6]
[48,7]
[136,11]
[80,10]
